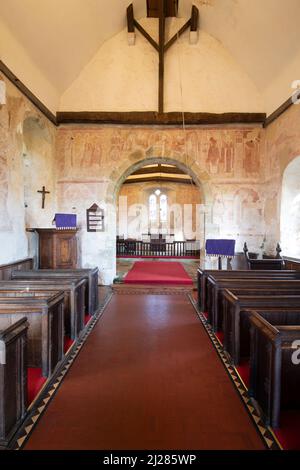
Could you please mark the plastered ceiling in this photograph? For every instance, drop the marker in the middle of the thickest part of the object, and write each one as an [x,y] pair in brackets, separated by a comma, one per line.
[61,36]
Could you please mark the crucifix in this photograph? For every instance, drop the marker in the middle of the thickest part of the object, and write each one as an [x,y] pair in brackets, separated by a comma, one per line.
[161,9]
[43,193]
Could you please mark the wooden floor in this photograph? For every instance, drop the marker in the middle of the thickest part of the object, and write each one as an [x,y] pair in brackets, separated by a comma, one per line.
[147,378]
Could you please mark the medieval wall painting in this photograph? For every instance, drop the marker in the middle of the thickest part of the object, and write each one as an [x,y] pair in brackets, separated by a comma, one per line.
[4,218]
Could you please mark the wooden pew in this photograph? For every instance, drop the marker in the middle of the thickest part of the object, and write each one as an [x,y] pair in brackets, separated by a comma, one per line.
[74,307]
[91,275]
[274,315]
[22,264]
[215,288]
[274,378]
[45,316]
[236,327]
[267,262]
[203,274]
[13,379]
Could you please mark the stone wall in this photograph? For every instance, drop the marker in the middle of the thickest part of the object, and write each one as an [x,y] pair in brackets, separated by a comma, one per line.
[282,148]
[238,170]
[229,165]
[27,140]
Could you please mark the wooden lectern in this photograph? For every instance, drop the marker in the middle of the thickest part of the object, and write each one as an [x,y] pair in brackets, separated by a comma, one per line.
[57,248]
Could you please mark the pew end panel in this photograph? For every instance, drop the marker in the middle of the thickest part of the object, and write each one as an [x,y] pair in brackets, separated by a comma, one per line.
[13,379]
[274,378]
[45,333]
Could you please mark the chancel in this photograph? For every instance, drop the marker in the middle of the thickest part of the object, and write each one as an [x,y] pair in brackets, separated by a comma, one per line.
[149,226]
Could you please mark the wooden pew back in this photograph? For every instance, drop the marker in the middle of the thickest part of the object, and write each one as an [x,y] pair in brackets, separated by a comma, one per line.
[235,323]
[74,307]
[7,269]
[216,287]
[91,276]
[203,274]
[45,316]
[13,379]
[274,378]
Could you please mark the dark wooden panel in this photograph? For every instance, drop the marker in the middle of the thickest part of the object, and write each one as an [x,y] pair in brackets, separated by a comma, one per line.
[274,379]
[291,263]
[74,299]
[204,274]
[164,179]
[13,379]
[234,309]
[57,248]
[170,8]
[90,274]
[45,318]
[6,269]
[154,118]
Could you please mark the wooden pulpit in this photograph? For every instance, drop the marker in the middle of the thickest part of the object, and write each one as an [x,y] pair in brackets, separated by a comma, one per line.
[57,248]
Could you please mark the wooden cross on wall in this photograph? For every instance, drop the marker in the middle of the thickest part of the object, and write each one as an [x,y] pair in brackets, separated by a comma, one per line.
[164,8]
[43,192]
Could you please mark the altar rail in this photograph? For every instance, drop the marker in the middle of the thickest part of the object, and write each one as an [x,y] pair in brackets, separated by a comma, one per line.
[140,249]
[22,264]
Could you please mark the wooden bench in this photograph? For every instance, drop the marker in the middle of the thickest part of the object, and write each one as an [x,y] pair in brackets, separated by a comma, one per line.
[91,275]
[274,315]
[13,379]
[235,317]
[215,288]
[7,269]
[274,378]
[267,262]
[203,274]
[45,316]
[74,311]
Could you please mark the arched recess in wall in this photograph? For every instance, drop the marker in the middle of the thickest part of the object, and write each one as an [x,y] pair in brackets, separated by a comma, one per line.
[37,172]
[290,210]
[177,213]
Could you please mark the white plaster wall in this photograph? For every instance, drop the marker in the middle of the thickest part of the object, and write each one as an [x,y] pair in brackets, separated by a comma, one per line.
[15,242]
[201,77]
[14,55]
[290,210]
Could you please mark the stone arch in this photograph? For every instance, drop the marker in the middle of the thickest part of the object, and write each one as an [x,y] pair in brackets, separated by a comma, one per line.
[290,209]
[200,177]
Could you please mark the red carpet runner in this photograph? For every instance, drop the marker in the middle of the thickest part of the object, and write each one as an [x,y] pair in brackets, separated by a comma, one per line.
[158,272]
[147,378]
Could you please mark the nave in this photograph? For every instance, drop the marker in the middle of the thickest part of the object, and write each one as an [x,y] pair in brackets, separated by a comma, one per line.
[146,378]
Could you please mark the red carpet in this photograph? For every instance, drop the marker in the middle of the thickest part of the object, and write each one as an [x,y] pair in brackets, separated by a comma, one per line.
[157,272]
[68,342]
[146,378]
[35,382]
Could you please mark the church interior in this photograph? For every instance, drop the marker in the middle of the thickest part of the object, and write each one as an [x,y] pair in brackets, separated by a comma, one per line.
[149,225]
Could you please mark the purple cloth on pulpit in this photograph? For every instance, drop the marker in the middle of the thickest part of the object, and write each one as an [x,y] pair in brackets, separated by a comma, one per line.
[220,247]
[65,220]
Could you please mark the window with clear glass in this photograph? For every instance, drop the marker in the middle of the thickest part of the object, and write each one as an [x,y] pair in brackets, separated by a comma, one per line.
[163,208]
[152,208]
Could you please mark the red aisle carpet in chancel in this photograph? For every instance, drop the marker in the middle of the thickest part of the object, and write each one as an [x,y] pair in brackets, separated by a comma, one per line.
[158,272]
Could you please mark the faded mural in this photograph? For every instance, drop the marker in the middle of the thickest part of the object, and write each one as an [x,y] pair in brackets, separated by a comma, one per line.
[239,170]
[227,163]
